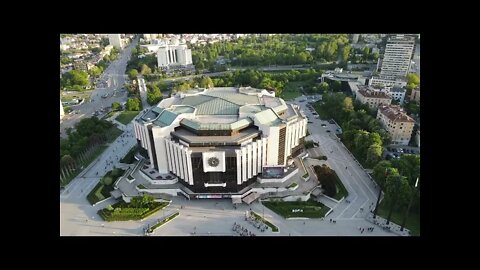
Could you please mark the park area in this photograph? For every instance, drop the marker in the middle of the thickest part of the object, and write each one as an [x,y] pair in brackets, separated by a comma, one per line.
[307,209]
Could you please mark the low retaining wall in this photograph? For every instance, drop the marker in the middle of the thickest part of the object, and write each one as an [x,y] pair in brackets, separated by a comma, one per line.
[158,182]
[277,180]
[293,198]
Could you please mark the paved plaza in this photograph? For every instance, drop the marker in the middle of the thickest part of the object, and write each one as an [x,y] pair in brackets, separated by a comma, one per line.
[216,217]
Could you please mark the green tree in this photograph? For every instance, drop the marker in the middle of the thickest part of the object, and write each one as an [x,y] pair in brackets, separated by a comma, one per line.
[337,86]
[153,95]
[408,166]
[95,71]
[107,181]
[141,201]
[205,82]
[134,52]
[132,74]
[133,104]
[324,86]
[347,105]
[374,154]
[116,106]
[381,170]
[397,192]
[145,70]
[413,78]
[75,77]
[346,52]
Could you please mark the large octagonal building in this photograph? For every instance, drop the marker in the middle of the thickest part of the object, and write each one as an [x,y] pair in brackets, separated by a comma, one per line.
[219,140]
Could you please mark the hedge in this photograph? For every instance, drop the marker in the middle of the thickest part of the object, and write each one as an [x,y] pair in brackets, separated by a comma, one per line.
[163,222]
[128,213]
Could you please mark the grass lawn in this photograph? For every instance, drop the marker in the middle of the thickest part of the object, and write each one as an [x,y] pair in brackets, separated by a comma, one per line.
[311,209]
[126,117]
[413,221]
[99,193]
[341,190]
[292,185]
[291,90]
[71,95]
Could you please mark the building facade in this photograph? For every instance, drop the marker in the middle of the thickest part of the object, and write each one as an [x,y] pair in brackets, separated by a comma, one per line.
[116,41]
[415,95]
[219,140]
[397,123]
[174,55]
[372,97]
[397,58]
[377,80]
[82,65]
[62,113]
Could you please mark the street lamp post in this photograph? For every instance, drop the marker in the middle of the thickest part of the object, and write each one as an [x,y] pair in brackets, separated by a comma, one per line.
[409,205]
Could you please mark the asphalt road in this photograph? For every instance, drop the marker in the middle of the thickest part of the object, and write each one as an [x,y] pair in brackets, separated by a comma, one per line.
[115,73]
[362,190]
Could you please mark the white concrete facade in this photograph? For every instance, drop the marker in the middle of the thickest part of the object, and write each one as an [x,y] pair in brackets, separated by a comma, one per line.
[168,55]
[397,57]
[116,41]
[62,113]
[168,153]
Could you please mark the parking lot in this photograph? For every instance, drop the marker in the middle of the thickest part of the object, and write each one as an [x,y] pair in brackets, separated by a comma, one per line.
[396,151]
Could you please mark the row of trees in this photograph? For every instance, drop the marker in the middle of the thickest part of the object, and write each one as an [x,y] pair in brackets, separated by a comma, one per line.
[398,179]
[362,132]
[253,78]
[88,131]
[80,145]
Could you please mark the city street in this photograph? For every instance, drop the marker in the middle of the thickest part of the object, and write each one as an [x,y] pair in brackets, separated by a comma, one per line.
[361,189]
[115,74]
